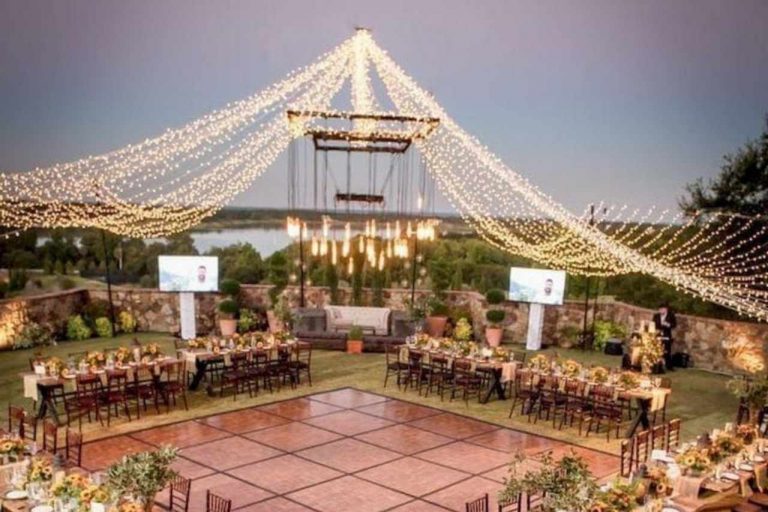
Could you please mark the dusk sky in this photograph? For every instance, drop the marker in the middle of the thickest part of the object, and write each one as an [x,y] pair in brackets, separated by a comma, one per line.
[591,100]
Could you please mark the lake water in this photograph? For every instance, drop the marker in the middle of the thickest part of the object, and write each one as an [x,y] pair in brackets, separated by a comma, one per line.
[265,240]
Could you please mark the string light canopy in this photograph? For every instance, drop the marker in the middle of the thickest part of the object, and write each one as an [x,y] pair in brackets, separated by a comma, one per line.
[169,183]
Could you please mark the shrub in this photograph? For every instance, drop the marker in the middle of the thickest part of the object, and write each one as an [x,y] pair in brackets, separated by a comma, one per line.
[103,327]
[32,335]
[246,321]
[605,330]
[436,307]
[230,287]
[95,308]
[17,279]
[77,329]
[495,296]
[495,316]
[127,322]
[355,334]
[228,307]
[66,283]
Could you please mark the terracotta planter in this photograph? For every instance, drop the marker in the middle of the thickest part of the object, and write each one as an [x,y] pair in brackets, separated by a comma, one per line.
[493,336]
[354,346]
[227,326]
[435,325]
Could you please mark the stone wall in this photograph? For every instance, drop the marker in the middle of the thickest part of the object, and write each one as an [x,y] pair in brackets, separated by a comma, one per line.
[158,311]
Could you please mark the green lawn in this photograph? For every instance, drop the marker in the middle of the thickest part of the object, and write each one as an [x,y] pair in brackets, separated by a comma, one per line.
[698,397]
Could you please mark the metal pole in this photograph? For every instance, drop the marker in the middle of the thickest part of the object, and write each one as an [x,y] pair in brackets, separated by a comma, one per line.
[413,270]
[301,264]
[109,282]
[586,293]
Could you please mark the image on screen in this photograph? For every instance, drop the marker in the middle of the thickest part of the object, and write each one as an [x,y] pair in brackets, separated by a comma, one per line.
[536,285]
[188,273]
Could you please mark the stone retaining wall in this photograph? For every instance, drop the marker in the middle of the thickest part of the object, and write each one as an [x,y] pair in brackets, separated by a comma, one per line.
[158,311]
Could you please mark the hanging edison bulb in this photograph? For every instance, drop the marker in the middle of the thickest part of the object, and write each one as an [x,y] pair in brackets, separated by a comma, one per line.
[374,234]
[334,256]
[326,226]
[314,246]
[388,232]
[350,266]
[361,245]
[389,249]
[323,247]
[409,230]
[345,248]
[381,260]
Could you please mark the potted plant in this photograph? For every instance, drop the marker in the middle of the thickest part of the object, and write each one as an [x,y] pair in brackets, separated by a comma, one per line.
[437,317]
[143,475]
[495,316]
[229,307]
[355,340]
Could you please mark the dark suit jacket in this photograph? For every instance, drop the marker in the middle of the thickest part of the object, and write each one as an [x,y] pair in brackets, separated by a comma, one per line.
[665,330]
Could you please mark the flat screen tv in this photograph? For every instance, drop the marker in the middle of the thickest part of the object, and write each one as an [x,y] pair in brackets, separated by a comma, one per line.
[536,285]
[188,273]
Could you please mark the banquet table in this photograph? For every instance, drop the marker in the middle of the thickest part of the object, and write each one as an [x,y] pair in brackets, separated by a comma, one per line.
[44,389]
[648,400]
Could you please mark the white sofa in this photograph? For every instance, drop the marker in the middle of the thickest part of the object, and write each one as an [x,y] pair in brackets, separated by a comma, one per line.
[370,320]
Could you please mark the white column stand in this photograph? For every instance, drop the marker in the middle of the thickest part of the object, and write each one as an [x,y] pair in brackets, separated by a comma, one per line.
[187,312]
[535,326]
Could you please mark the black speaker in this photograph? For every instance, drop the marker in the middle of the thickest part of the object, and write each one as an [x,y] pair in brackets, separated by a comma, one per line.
[613,347]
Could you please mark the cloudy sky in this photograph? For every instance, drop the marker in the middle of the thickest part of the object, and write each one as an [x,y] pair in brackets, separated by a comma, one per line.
[624,101]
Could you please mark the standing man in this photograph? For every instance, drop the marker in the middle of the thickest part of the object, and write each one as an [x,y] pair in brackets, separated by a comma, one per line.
[665,321]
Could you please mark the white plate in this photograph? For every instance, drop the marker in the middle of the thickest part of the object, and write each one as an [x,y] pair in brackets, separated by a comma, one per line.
[731,476]
[16,495]
[746,467]
[42,508]
[759,458]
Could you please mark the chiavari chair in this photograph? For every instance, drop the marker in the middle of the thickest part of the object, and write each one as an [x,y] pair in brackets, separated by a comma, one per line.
[215,503]
[180,489]
[478,505]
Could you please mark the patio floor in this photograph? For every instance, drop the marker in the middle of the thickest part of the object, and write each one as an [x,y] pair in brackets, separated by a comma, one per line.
[340,451]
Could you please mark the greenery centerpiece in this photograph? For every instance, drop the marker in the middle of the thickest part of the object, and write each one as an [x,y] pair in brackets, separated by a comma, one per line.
[751,392]
[143,475]
[495,316]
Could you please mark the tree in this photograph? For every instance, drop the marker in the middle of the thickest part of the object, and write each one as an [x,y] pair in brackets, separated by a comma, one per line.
[240,262]
[742,185]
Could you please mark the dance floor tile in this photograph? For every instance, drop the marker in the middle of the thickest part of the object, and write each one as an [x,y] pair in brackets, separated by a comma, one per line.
[500,473]
[348,455]
[601,464]
[513,441]
[100,454]
[349,398]
[413,476]
[275,505]
[248,420]
[293,436]
[405,439]
[284,474]
[468,457]
[455,496]
[229,453]
[189,469]
[299,409]
[418,506]
[241,493]
[396,410]
[180,434]
[349,494]
[349,423]
[451,425]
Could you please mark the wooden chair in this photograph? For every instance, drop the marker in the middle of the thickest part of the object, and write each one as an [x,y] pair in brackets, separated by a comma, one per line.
[413,374]
[465,380]
[280,369]
[116,394]
[640,443]
[439,377]
[659,437]
[236,376]
[302,362]
[523,391]
[606,409]
[393,364]
[576,404]
[625,466]
[85,400]
[73,452]
[179,490]
[50,437]
[171,383]
[549,399]
[673,434]
[257,370]
[515,505]
[478,505]
[16,416]
[215,503]
[143,387]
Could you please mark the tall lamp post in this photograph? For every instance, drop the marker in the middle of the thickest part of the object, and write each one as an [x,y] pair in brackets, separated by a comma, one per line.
[108,277]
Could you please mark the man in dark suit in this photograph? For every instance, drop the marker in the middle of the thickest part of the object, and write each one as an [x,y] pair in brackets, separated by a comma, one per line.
[665,321]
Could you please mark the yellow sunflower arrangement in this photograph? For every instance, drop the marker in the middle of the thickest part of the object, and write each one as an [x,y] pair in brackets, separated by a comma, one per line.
[724,446]
[571,368]
[694,460]
[539,362]
[501,354]
[598,374]
[70,487]
[129,506]
[196,343]
[151,352]
[629,380]
[93,493]
[618,498]
[123,355]
[422,340]
[446,344]
[12,448]
[54,366]
[95,360]
[40,470]
[658,484]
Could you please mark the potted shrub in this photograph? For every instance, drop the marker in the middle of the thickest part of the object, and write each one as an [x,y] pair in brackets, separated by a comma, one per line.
[493,331]
[355,340]
[228,307]
[143,475]
[437,317]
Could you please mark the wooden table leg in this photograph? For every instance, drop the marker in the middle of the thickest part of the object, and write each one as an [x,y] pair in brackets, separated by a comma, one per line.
[641,418]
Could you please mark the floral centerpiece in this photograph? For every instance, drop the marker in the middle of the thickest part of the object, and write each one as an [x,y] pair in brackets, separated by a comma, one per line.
[598,374]
[694,460]
[658,484]
[256,339]
[421,340]
[284,337]
[463,330]
[619,497]
[500,354]
[54,366]
[746,433]
[81,489]
[466,348]
[196,343]
[130,506]
[95,360]
[123,355]
[12,448]
[629,380]
[150,352]
[651,350]
[571,368]
[40,470]
[143,475]
[723,446]
[539,362]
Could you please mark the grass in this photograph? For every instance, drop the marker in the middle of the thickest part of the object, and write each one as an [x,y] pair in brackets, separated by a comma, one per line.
[699,398]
